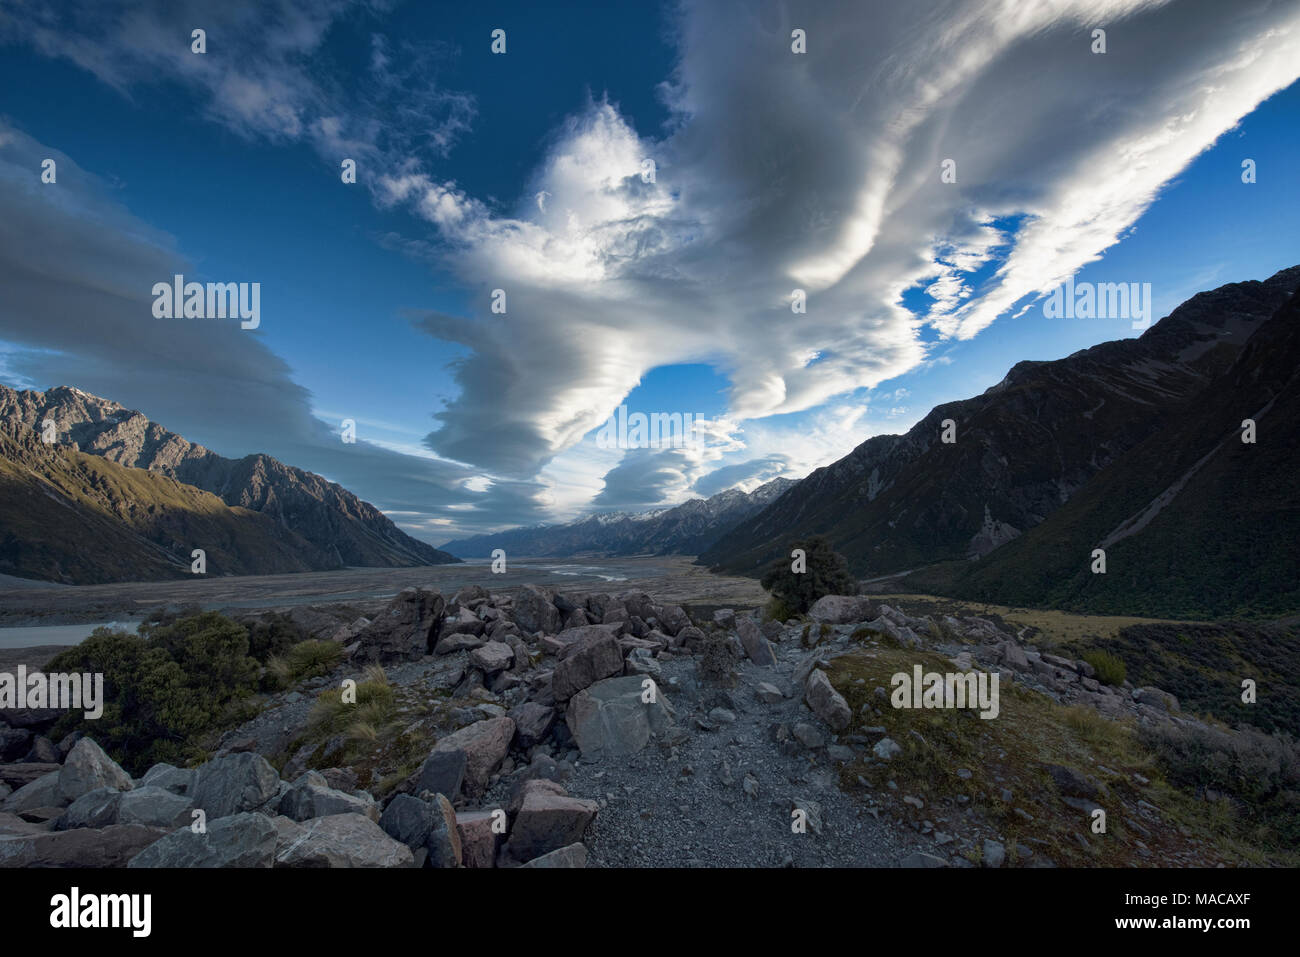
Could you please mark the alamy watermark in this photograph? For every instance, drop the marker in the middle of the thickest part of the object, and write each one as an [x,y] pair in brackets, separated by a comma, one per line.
[179,299]
[966,689]
[67,692]
[1100,300]
[658,430]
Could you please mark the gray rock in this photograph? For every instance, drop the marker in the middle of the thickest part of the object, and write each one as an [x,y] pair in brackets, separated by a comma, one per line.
[234,784]
[97,808]
[485,743]
[424,824]
[768,693]
[840,609]
[547,822]
[42,792]
[994,853]
[443,772]
[886,748]
[310,796]
[176,780]
[1156,699]
[827,703]
[492,657]
[575,855]
[585,662]
[808,736]
[757,648]
[154,807]
[83,847]
[402,631]
[535,610]
[240,840]
[725,618]
[533,722]
[87,767]
[338,840]
[14,743]
[609,719]
[919,859]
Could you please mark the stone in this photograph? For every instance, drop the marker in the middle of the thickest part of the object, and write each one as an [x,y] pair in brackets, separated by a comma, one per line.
[920,859]
[886,748]
[443,772]
[533,722]
[757,648]
[994,853]
[43,751]
[176,780]
[535,610]
[42,792]
[239,840]
[111,846]
[840,609]
[673,619]
[825,702]
[575,855]
[808,736]
[234,784]
[1074,783]
[585,662]
[478,841]
[97,808]
[768,693]
[609,719]
[485,743]
[337,840]
[725,618]
[457,642]
[492,657]
[641,662]
[430,825]
[153,807]
[1156,698]
[405,630]
[86,768]
[547,822]
[310,796]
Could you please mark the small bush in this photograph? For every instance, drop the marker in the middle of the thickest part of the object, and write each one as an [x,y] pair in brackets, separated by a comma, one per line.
[717,659]
[827,573]
[1109,667]
[778,610]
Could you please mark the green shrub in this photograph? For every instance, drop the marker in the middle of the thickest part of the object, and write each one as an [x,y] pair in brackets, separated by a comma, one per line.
[163,688]
[1109,667]
[826,573]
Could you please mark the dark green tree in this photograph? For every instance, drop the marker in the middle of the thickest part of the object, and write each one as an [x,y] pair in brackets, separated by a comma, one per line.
[825,572]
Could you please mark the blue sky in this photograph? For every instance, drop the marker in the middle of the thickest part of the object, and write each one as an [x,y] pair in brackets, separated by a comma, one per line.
[774,172]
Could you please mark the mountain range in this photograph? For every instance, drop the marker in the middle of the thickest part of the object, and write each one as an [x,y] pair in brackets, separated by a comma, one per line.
[686,529]
[1132,445]
[118,497]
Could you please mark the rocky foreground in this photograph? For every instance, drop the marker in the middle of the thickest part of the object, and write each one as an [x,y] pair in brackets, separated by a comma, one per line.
[567,730]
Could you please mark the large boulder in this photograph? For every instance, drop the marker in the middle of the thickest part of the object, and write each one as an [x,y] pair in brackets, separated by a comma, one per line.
[87,768]
[111,846]
[532,723]
[841,609]
[443,772]
[535,610]
[241,840]
[339,840]
[430,825]
[585,662]
[478,838]
[233,784]
[673,618]
[402,631]
[756,645]
[492,657]
[827,703]
[546,822]
[174,779]
[154,807]
[97,808]
[610,719]
[42,792]
[311,796]
[485,744]
[14,743]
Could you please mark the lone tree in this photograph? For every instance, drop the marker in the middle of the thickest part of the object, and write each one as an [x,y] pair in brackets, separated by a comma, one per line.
[824,572]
